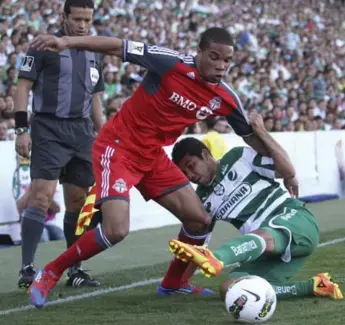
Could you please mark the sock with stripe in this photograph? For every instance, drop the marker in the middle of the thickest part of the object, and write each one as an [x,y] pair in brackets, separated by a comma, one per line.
[293,289]
[177,273]
[87,246]
[241,249]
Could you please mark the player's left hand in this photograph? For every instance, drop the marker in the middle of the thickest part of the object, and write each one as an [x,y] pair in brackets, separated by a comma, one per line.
[54,207]
[292,186]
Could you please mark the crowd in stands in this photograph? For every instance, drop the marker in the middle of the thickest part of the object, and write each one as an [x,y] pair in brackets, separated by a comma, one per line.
[289,61]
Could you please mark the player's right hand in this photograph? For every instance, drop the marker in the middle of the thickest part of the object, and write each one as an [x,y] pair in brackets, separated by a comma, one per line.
[256,121]
[49,43]
[23,145]
[292,186]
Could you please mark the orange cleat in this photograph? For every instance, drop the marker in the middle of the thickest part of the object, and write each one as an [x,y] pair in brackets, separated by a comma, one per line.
[199,255]
[325,287]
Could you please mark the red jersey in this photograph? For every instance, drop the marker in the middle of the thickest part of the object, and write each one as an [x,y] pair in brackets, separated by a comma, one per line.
[171,97]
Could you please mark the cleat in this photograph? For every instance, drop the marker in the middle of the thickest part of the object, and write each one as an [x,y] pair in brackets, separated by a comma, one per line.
[325,287]
[40,288]
[26,276]
[198,255]
[186,289]
[79,278]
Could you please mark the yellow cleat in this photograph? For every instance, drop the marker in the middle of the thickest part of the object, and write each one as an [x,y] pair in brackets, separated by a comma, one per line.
[325,287]
[198,255]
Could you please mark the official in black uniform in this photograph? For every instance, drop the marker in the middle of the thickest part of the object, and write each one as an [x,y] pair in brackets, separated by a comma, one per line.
[67,109]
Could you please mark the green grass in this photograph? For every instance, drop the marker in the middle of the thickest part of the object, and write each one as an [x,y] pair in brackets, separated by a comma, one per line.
[140,257]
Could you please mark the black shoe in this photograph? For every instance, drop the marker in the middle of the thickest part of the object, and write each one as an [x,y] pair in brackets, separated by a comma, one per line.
[78,278]
[26,276]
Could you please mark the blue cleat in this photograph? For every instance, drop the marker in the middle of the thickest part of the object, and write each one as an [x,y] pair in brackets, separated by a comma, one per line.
[40,288]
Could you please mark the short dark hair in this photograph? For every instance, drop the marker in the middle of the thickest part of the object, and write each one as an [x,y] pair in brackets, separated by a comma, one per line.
[77,4]
[216,35]
[190,146]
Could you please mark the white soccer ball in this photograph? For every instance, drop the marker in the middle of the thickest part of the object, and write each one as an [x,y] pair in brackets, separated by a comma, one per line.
[251,299]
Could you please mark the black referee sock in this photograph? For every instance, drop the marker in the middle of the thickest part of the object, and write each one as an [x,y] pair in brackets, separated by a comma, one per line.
[69,228]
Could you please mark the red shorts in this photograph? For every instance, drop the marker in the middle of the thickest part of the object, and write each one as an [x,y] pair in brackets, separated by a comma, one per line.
[116,171]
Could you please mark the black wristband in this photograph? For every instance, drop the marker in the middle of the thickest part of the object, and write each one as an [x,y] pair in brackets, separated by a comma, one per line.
[21,119]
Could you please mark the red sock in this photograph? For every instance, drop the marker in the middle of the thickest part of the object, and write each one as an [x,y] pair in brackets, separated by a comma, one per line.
[84,248]
[177,269]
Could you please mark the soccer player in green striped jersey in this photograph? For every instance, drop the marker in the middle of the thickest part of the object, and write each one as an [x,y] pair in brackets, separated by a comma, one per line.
[278,233]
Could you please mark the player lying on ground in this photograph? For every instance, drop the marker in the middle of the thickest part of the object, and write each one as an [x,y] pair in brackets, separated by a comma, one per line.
[278,232]
[177,91]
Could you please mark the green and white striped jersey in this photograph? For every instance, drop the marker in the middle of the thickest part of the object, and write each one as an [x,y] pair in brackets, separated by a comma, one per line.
[243,192]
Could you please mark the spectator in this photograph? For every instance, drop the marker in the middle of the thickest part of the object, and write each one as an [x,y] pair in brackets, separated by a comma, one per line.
[213,139]
[3,130]
[288,53]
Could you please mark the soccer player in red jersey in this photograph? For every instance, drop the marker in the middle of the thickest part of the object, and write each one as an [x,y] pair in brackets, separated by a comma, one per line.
[178,90]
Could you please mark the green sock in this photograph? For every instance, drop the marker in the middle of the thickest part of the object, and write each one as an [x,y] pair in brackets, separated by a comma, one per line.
[293,289]
[241,249]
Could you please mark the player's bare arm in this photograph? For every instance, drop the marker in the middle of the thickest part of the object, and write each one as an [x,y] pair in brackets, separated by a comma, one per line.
[97,111]
[99,44]
[23,140]
[257,144]
[283,165]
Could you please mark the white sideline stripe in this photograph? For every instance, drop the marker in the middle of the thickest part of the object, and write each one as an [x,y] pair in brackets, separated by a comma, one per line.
[102,292]
[331,242]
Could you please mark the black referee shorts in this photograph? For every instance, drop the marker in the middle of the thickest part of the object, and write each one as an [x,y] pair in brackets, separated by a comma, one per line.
[61,150]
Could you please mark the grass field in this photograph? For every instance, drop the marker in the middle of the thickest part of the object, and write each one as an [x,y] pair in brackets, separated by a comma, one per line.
[129,275]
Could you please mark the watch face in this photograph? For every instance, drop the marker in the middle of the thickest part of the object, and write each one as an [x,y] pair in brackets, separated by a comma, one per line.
[20,131]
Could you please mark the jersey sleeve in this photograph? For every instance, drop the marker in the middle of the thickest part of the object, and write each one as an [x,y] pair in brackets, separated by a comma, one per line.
[153,58]
[32,65]
[238,117]
[262,165]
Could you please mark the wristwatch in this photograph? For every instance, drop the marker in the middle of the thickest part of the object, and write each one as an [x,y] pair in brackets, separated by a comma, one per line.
[19,131]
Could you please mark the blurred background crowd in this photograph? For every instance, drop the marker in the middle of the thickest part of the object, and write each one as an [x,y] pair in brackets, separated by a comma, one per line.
[289,62]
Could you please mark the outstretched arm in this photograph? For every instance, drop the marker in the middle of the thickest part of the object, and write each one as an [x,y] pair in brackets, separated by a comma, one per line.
[283,165]
[154,58]
[100,44]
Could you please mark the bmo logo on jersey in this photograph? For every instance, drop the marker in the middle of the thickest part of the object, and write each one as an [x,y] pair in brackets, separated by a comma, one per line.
[201,112]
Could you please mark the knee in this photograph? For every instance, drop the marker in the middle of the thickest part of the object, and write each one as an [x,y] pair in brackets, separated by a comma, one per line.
[40,199]
[75,202]
[199,224]
[268,238]
[115,233]
[205,219]
[115,224]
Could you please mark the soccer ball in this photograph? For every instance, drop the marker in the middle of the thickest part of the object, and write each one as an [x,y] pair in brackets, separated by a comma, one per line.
[251,299]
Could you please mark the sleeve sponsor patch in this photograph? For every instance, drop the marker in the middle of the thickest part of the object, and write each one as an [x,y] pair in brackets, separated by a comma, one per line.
[136,48]
[27,64]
